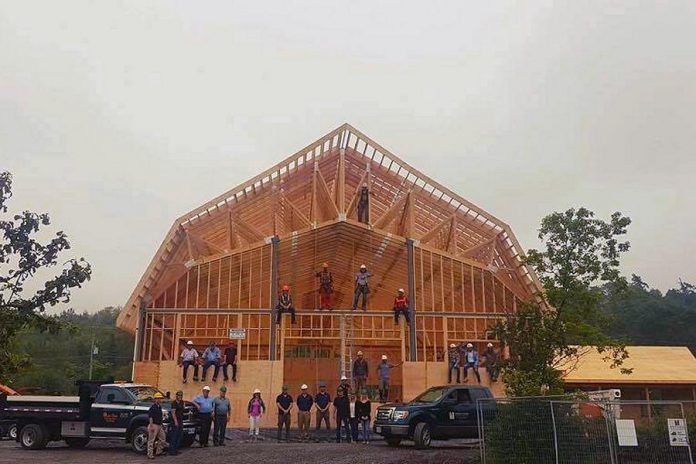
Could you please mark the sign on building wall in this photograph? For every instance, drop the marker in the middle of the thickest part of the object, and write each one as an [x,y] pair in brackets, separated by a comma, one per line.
[237,334]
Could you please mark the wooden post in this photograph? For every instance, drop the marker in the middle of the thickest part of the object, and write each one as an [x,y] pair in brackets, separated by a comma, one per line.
[412,295]
[275,242]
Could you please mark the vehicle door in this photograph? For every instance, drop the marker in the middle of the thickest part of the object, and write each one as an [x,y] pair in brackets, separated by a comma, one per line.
[110,412]
[464,413]
[446,423]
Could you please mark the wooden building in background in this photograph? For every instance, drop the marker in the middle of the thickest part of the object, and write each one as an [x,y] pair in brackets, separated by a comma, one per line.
[220,267]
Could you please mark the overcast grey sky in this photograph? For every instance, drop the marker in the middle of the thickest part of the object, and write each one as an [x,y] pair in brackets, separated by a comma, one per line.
[117,117]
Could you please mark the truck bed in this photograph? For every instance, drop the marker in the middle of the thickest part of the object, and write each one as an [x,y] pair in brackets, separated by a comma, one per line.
[58,407]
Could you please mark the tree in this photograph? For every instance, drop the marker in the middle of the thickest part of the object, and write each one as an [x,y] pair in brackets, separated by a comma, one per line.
[580,255]
[22,255]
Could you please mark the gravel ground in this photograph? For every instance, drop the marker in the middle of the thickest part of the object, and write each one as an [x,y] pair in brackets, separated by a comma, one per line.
[239,450]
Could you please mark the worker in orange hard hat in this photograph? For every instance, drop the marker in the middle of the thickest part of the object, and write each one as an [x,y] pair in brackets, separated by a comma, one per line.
[401,307]
[285,304]
[325,287]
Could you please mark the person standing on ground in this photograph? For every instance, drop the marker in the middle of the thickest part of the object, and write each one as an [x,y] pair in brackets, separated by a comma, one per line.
[284,402]
[353,417]
[360,372]
[155,431]
[230,360]
[256,408]
[345,386]
[323,401]
[342,415]
[211,357]
[221,416]
[471,360]
[453,363]
[364,411]
[189,357]
[205,405]
[176,428]
[401,307]
[364,205]
[362,287]
[325,287]
[285,305]
[384,373]
[491,362]
[304,412]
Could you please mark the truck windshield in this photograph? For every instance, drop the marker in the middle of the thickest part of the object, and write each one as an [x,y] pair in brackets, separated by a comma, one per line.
[143,393]
[430,396]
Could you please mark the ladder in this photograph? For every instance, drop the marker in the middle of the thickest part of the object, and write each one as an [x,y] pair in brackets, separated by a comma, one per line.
[347,346]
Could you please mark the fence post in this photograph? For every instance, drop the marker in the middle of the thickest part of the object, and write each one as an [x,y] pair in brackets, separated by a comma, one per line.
[691,458]
[609,420]
[555,433]
[481,433]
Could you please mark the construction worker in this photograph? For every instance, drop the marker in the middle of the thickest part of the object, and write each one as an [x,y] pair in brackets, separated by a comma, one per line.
[221,415]
[362,287]
[325,287]
[471,360]
[364,205]
[189,357]
[360,372]
[230,356]
[205,404]
[284,402]
[285,304]
[304,409]
[383,371]
[255,409]
[492,362]
[211,357]
[323,401]
[155,431]
[401,307]
[345,386]
[453,363]
[176,428]
[342,414]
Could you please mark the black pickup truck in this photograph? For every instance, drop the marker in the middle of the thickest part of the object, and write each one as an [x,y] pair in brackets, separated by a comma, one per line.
[102,410]
[439,413]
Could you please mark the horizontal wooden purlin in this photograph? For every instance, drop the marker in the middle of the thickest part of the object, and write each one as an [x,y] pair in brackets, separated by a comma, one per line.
[456,257]
[316,312]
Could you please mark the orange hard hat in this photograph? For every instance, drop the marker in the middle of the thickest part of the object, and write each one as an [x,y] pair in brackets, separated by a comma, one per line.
[286,288]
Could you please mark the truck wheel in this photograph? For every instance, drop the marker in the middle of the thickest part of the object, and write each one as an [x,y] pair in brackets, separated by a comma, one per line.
[77,442]
[393,441]
[13,432]
[139,440]
[33,437]
[421,435]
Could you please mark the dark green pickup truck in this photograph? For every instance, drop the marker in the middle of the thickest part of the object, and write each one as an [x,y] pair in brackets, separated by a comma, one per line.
[439,413]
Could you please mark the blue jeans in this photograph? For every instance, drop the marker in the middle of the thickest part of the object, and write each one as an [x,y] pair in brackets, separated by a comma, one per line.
[345,422]
[360,290]
[207,364]
[473,366]
[365,423]
[174,440]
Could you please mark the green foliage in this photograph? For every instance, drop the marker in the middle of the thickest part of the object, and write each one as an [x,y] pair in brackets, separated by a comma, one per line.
[21,257]
[60,359]
[580,255]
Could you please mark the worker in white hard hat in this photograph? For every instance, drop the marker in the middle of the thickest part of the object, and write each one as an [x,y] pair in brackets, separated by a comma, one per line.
[401,307]
[189,357]
[362,287]
[206,405]
[383,372]
[345,386]
[471,360]
[453,364]
[304,409]
[255,410]
[360,372]
[492,365]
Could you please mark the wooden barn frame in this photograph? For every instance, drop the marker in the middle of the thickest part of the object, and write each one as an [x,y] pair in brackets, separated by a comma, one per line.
[220,267]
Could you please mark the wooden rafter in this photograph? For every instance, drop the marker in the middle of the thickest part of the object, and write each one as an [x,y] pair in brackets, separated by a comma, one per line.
[322,207]
[297,219]
[402,210]
[435,231]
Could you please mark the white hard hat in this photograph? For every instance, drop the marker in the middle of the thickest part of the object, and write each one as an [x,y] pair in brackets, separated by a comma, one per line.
[189,342]
[257,391]
[362,266]
[360,353]
[343,377]
[206,388]
[469,345]
[384,356]
[452,345]
[490,345]
[304,386]
[401,290]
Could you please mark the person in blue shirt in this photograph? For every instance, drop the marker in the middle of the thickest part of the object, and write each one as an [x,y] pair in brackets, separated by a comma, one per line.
[323,401]
[211,357]
[304,412]
[205,404]
[471,360]
[284,402]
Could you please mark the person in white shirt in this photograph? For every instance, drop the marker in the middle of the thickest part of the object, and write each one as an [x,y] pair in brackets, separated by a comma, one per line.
[353,418]
[189,357]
